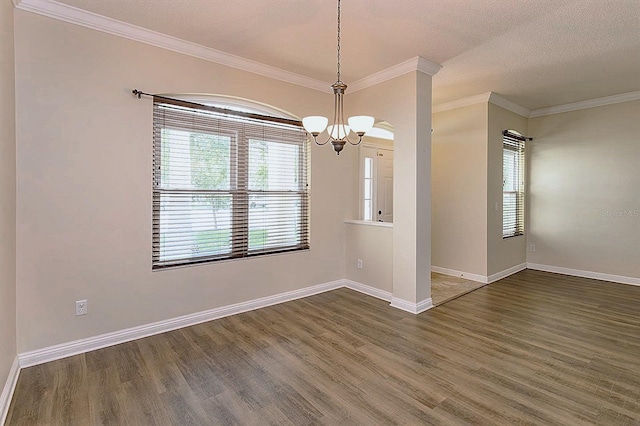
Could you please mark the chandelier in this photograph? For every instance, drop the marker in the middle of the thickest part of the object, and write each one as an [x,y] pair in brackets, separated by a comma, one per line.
[338,131]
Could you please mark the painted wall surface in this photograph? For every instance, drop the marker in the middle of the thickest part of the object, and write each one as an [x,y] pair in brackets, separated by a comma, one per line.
[584,199]
[459,189]
[84,153]
[7,194]
[374,245]
[502,253]
[405,102]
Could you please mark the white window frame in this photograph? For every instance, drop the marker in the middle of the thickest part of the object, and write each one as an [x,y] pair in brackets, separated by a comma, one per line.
[513,143]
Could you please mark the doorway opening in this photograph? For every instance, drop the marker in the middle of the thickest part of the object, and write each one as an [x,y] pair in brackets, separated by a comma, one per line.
[376,174]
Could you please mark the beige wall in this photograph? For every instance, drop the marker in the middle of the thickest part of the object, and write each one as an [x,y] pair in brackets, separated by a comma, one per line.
[7,194]
[584,183]
[84,187]
[374,245]
[405,102]
[459,189]
[502,253]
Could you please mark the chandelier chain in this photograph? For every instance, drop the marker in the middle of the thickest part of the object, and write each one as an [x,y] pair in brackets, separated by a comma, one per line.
[338,131]
[338,41]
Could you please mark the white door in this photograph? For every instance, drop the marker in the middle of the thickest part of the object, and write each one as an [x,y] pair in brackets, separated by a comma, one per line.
[384,199]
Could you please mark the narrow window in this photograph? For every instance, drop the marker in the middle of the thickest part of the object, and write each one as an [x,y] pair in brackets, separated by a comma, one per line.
[367,213]
[513,163]
[226,184]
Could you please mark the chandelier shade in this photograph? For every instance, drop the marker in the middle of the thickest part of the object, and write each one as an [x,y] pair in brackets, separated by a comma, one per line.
[361,124]
[338,131]
[315,124]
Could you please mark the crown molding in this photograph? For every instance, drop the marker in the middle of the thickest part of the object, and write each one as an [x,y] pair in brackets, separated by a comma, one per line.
[414,64]
[426,66]
[74,15]
[491,97]
[498,100]
[459,103]
[591,103]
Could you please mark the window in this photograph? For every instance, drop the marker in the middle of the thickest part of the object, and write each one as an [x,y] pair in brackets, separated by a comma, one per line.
[367,213]
[376,184]
[512,184]
[226,184]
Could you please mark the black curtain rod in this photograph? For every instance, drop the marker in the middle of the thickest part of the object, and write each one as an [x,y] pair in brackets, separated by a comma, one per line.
[180,102]
[516,136]
[140,93]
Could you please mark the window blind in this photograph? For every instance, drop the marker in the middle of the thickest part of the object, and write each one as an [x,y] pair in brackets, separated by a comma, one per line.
[513,162]
[226,184]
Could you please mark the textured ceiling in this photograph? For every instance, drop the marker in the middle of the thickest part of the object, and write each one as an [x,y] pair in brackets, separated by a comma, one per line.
[536,53]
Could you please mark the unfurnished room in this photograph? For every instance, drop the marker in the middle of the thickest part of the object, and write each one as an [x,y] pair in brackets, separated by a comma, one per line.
[327,212]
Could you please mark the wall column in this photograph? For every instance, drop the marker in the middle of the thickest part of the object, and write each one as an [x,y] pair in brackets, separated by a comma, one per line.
[412,203]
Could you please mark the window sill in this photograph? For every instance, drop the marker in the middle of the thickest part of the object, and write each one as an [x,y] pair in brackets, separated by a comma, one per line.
[369,223]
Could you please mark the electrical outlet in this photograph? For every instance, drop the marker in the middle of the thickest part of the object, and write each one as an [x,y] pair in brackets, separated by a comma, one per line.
[532,247]
[359,263]
[81,307]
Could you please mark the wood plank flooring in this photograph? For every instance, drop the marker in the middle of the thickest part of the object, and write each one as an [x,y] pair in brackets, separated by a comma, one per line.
[535,348]
[447,287]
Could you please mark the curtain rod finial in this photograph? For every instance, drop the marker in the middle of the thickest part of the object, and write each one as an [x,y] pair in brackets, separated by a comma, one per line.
[137,93]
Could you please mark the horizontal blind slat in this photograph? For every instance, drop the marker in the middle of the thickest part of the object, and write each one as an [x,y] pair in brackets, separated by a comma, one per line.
[513,158]
[226,186]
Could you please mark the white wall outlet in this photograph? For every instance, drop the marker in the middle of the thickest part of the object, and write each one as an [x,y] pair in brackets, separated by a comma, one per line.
[497,207]
[81,307]
[532,247]
[359,263]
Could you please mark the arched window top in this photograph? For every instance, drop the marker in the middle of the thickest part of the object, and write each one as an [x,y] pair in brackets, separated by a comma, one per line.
[381,130]
[233,103]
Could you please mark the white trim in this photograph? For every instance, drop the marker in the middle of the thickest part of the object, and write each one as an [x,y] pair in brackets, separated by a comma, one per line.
[491,97]
[591,103]
[77,16]
[7,391]
[509,271]
[469,276]
[370,223]
[64,350]
[413,308]
[368,290]
[74,15]
[459,103]
[480,278]
[585,274]
[376,144]
[414,64]
[498,100]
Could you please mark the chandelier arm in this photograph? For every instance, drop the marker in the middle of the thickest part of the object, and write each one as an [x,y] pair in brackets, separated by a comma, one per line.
[315,139]
[339,125]
[354,143]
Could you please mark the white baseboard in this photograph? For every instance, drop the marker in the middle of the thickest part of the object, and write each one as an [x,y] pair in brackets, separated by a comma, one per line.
[461,274]
[63,350]
[503,274]
[480,278]
[585,274]
[368,290]
[414,308]
[7,391]
[76,347]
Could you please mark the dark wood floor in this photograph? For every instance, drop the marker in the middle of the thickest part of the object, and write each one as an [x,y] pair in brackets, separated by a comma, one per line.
[534,348]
